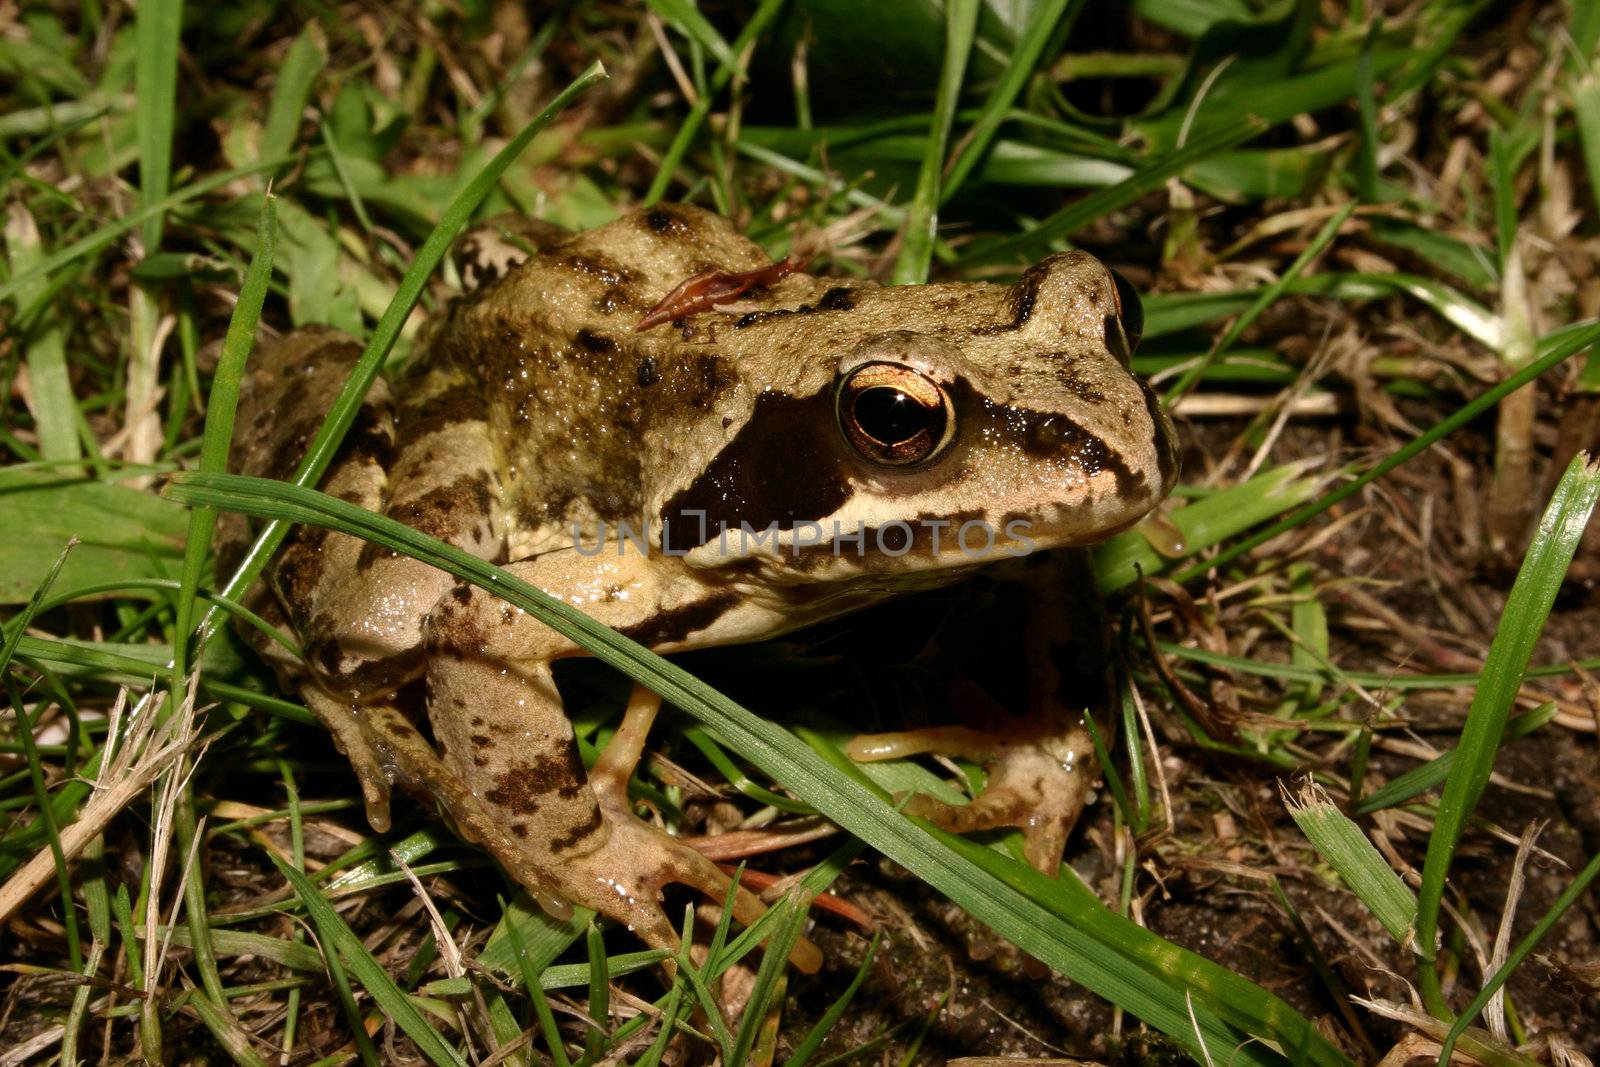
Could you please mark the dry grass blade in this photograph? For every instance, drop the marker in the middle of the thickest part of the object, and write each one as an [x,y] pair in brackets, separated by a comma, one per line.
[142,752]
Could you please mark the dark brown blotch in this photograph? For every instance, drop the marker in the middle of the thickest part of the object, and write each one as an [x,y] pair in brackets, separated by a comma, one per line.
[670,627]
[615,298]
[299,569]
[1072,378]
[371,438]
[587,828]
[1024,297]
[1048,436]
[1166,444]
[383,674]
[779,470]
[371,552]
[520,787]
[597,343]
[839,298]
[444,410]
[449,510]
[711,376]
[665,222]
[280,453]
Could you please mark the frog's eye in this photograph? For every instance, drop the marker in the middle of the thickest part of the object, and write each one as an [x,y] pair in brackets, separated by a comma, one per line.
[893,415]
[1124,331]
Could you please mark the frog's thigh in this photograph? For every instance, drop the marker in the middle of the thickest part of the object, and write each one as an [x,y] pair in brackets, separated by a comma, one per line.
[367,606]
[1041,764]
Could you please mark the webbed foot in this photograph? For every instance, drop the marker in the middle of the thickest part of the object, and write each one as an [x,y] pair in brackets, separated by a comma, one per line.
[624,876]
[1040,772]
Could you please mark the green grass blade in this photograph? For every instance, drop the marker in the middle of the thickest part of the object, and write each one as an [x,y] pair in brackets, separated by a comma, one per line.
[1367,108]
[1169,312]
[911,267]
[791,912]
[689,128]
[541,1003]
[1268,296]
[1586,111]
[156,26]
[1427,776]
[296,78]
[109,232]
[599,1005]
[1502,181]
[214,457]
[1097,205]
[1330,85]
[1543,570]
[1584,28]
[220,409]
[227,1032]
[390,998]
[736,777]
[844,798]
[819,1031]
[1024,58]
[684,17]
[1525,947]
[48,820]
[1240,1001]
[55,409]
[1206,522]
[1358,863]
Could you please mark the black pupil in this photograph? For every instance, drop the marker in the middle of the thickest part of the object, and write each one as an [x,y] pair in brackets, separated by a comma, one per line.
[890,416]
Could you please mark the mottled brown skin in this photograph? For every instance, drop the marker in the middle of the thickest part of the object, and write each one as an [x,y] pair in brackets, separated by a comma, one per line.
[536,418]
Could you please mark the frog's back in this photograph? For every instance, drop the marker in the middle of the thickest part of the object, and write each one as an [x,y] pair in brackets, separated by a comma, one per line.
[548,354]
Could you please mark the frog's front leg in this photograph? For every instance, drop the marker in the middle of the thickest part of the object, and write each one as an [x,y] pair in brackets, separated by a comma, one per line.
[1041,764]
[498,720]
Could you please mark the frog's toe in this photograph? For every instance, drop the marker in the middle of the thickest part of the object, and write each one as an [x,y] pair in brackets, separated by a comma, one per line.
[1038,780]
[358,732]
[1045,820]
[624,877]
[933,740]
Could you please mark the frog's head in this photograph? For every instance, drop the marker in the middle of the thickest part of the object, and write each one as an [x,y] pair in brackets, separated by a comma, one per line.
[922,428]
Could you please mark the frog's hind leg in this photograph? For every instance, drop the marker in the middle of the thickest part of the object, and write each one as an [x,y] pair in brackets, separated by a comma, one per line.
[290,385]
[508,742]
[1041,764]
[359,608]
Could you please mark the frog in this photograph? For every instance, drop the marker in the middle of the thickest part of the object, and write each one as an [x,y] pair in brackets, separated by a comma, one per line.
[655,423]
